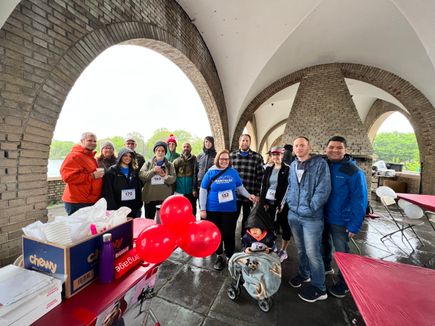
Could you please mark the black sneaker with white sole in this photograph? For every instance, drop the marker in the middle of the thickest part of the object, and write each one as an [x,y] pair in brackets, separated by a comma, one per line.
[297,281]
[312,294]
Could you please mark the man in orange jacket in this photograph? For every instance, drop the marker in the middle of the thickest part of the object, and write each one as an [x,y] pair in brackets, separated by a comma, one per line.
[80,172]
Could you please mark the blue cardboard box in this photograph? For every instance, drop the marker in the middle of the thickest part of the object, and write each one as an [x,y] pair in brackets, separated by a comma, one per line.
[76,264]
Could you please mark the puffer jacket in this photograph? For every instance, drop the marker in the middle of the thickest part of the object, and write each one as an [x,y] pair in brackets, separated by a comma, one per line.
[77,172]
[348,200]
[307,198]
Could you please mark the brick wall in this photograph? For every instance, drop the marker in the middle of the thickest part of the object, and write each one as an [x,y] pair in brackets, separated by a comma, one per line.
[55,189]
[44,47]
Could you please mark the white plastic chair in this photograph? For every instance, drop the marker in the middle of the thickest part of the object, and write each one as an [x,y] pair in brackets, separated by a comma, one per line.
[403,219]
[383,191]
[403,203]
[430,218]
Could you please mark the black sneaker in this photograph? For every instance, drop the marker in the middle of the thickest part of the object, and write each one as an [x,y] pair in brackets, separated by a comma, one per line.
[312,294]
[219,263]
[339,290]
[329,270]
[297,281]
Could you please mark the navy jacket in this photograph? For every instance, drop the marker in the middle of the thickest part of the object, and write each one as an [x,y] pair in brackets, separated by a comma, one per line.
[348,200]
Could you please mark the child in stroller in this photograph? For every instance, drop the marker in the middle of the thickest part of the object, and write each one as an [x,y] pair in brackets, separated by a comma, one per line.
[257,267]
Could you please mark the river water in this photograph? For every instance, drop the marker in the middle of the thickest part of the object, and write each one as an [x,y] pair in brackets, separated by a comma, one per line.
[53,168]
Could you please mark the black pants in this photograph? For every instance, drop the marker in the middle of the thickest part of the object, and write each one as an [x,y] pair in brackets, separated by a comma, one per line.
[281,220]
[246,210]
[192,201]
[226,223]
[150,208]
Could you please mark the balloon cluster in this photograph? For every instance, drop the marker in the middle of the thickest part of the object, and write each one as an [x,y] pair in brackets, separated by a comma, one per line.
[179,228]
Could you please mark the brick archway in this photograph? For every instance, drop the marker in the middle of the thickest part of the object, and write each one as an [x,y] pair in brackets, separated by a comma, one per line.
[421,111]
[272,129]
[378,113]
[45,46]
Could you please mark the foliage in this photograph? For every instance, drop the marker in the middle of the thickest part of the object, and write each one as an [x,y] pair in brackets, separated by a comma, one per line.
[59,149]
[397,147]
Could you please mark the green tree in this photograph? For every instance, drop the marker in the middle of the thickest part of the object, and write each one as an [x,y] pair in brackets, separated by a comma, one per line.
[181,136]
[59,149]
[397,147]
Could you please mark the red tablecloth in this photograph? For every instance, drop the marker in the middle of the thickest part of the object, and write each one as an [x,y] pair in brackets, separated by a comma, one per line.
[389,293]
[426,202]
[139,224]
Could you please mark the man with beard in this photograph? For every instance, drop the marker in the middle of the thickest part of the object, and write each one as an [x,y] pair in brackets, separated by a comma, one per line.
[185,167]
[249,165]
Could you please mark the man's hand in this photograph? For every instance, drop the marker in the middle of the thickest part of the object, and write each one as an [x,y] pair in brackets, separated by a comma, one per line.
[350,234]
[98,173]
[203,214]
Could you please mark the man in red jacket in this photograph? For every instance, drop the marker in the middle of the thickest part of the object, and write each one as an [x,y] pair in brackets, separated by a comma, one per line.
[80,172]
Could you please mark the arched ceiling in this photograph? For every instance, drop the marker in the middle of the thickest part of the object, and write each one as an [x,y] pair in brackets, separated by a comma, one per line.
[256,42]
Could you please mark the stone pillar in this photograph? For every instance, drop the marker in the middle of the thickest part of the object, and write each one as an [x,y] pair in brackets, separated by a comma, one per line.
[323,108]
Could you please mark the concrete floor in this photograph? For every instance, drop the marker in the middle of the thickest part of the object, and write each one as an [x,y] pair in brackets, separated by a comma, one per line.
[189,292]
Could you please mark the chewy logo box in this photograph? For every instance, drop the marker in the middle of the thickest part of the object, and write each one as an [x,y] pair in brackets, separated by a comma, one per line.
[76,264]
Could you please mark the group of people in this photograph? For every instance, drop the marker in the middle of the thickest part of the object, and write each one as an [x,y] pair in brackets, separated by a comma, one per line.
[320,201]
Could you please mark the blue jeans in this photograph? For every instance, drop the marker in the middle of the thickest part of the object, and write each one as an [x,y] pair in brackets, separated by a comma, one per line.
[336,235]
[71,208]
[307,233]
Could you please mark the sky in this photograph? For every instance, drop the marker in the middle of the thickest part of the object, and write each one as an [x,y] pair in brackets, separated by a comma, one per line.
[131,88]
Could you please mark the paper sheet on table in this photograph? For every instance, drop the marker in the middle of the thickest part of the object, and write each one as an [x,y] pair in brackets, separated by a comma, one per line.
[17,283]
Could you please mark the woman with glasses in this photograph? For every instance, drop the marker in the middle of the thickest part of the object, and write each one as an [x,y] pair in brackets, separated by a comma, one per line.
[121,184]
[217,199]
[107,156]
[273,189]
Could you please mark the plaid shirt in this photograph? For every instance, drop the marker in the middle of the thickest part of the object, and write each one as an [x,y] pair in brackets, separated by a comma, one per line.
[250,169]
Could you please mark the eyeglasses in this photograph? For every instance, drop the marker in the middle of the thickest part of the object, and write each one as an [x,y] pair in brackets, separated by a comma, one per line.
[224,159]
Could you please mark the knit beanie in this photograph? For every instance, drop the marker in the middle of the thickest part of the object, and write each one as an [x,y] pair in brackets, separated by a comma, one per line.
[171,139]
[160,143]
[107,143]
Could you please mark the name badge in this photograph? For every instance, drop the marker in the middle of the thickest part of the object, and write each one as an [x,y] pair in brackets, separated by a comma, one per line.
[270,195]
[157,180]
[128,194]
[225,196]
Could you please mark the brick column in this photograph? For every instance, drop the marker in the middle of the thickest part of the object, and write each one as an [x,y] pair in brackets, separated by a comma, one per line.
[323,107]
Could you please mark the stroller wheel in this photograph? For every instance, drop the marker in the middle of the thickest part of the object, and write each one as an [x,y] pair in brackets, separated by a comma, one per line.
[265,305]
[233,293]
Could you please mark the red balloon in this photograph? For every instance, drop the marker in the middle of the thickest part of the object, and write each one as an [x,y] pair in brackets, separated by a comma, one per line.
[155,243]
[201,239]
[176,213]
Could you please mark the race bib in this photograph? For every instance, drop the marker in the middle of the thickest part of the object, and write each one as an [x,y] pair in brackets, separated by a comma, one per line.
[128,194]
[157,180]
[225,196]
[270,195]
[299,173]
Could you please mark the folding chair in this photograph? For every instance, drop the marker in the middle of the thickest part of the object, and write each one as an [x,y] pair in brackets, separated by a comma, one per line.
[403,219]
[430,218]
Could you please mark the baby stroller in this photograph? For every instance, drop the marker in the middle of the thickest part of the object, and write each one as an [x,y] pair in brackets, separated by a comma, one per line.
[258,271]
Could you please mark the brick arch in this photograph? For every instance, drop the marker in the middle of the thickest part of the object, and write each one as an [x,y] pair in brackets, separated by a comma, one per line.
[378,113]
[272,129]
[44,47]
[421,111]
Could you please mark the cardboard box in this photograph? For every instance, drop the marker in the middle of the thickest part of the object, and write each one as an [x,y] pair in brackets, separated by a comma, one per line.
[76,264]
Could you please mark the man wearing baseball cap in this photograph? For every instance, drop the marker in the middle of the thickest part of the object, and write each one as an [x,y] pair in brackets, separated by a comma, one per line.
[130,143]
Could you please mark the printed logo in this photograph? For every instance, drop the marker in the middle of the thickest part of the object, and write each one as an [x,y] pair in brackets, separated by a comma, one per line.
[42,263]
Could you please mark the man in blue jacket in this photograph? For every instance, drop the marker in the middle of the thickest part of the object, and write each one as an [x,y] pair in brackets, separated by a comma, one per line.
[346,206]
[308,192]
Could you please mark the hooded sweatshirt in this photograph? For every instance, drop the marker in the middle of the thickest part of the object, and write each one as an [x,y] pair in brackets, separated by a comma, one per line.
[120,189]
[77,172]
